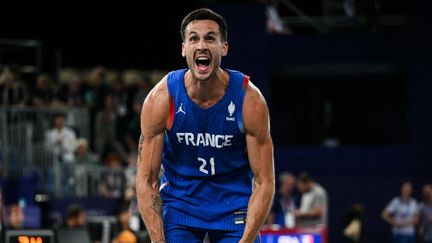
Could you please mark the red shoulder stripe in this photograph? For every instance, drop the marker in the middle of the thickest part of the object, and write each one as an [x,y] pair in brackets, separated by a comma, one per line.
[245,82]
[171,113]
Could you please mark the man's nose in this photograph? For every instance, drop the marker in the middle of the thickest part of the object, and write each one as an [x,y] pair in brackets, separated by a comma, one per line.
[202,45]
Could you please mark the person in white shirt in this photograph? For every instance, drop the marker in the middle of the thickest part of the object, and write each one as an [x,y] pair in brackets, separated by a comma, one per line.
[402,214]
[61,140]
[314,203]
[425,214]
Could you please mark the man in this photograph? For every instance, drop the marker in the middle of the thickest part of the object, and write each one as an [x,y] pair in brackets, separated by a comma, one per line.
[61,140]
[75,216]
[124,233]
[16,216]
[402,214]
[426,214]
[282,212]
[210,129]
[314,203]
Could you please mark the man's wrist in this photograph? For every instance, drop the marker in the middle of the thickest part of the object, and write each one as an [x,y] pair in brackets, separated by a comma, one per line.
[246,238]
[158,241]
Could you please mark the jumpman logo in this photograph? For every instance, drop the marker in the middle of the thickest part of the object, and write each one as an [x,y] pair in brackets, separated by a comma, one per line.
[180,109]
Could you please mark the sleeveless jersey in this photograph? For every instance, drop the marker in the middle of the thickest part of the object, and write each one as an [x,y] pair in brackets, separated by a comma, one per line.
[207,181]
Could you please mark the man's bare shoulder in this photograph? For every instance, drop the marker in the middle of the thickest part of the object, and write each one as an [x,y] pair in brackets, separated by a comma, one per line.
[155,109]
[158,94]
[255,110]
[254,96]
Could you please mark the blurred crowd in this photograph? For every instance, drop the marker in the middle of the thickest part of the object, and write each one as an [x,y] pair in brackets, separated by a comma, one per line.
[409,219]
[114,107]
[301,202]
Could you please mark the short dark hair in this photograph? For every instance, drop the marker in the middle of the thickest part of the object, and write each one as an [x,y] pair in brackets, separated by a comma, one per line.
[59,114]
[205,14]
[284,175]
[74,211]
[305,177]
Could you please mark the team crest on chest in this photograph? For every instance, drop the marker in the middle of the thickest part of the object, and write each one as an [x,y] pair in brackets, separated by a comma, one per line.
[231,110]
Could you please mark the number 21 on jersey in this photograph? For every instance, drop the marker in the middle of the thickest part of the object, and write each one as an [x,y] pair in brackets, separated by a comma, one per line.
[204,164]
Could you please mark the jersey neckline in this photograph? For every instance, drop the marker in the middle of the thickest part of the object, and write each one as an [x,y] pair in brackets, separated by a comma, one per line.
[221,100]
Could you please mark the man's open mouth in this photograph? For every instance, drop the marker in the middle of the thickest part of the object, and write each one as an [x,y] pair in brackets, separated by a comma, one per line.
[202,62]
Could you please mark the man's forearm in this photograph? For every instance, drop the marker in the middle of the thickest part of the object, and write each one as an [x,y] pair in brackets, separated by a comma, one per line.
[258,208]
[150,205]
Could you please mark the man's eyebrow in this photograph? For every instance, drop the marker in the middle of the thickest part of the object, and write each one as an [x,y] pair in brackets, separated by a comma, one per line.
[209,33]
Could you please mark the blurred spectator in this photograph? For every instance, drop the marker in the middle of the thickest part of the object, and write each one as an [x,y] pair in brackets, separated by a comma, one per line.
[83,159]
[43,93]
[130,171]
[314,202]
[83,155]
[133,130]
[12,90]
[61,140]
[353,224]
[129,197]
[2,212]
[144,87]
[130,200]
[402,214]
[98,88]
[426,214]
[113,180]
[124,234]
[16,217]
[75,217]
[105,127]
[120,95]
[121,100]
[284,202]
[72,94]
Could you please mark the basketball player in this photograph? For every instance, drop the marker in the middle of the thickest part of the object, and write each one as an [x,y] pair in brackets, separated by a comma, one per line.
[209,127]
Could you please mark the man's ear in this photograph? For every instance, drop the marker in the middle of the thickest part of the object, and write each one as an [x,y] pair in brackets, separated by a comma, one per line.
[225,48]
[183,50]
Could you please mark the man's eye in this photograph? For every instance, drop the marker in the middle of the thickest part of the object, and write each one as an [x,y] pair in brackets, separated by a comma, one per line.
[210,38]
[193,38]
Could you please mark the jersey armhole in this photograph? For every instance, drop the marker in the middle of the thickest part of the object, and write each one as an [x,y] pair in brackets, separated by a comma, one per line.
[244,87]
[170,120]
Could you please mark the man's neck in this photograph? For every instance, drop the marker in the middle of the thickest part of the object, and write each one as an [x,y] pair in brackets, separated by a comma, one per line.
[207,93]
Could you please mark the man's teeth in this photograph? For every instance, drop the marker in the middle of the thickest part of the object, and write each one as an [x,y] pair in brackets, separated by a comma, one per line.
[202,58]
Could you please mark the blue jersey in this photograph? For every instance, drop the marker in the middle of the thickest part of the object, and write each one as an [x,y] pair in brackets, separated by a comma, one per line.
[207,181]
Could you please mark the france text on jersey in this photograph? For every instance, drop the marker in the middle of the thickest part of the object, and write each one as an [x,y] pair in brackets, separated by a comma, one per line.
[205,139]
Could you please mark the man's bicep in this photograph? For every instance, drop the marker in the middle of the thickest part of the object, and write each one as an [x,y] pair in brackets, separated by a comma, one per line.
[154,114]
[258,140]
